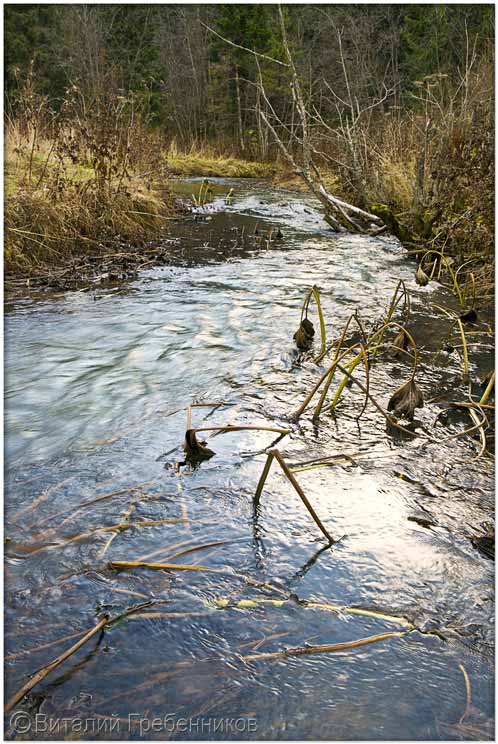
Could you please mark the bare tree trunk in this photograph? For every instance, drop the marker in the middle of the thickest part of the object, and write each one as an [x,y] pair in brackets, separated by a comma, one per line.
[262,131]
[239,109]
[337,211]
[331,203]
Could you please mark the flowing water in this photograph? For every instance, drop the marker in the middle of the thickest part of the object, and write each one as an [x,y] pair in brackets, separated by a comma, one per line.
[97,386]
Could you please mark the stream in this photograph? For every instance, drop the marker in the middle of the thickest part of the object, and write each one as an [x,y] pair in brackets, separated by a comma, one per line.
[97,384]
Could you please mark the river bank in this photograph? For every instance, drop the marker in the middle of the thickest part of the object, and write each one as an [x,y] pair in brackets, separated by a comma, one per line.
[80,235]
[78,195]
[73,217]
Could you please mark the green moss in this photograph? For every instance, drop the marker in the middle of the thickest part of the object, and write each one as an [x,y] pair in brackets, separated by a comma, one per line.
[394,226]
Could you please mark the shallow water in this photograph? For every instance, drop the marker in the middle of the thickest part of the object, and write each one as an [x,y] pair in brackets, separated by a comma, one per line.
[97,386]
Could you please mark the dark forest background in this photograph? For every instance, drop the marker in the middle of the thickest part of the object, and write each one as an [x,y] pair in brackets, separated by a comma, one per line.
[194,86]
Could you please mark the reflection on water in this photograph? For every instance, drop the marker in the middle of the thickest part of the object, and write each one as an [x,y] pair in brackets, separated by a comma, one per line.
[96,392]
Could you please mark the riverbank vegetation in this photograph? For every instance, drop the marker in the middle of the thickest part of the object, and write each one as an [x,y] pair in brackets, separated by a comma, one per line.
[394,115]
[207,161]
[76,181]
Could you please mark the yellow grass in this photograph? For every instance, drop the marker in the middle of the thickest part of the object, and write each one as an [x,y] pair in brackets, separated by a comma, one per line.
[207,162]
[392,181]
[45,225]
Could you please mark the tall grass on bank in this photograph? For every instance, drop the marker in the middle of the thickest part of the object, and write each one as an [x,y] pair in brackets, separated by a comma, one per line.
[206,160]
[79,180]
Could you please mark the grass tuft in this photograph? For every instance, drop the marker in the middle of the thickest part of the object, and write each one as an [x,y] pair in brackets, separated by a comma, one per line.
[206,161]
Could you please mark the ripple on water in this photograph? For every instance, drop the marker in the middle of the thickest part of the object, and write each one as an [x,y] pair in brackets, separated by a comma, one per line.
[96,393]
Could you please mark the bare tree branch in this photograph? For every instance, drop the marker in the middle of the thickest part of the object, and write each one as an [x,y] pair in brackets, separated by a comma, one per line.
[243,48]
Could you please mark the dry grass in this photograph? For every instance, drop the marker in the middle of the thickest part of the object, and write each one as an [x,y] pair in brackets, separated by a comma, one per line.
[56,209]
[42,230]
[284,178]
[206,161]
[392,181]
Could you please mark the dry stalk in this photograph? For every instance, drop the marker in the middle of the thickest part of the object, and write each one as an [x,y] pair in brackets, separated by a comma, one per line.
[113,528]
[327,648]
[42,673]
[161,566]
[468,693]
[84,504]
[276,454]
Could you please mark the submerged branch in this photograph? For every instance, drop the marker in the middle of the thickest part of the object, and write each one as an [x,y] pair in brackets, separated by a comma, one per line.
[324,649]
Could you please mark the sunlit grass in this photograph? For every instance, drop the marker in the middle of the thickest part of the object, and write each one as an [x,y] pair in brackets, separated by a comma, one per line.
[55,209]
[207,162]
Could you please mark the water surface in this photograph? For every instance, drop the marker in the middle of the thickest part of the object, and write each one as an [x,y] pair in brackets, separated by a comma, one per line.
[97,386]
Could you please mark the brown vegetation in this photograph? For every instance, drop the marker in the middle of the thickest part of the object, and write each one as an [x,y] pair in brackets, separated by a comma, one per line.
[429,174]
[80,182]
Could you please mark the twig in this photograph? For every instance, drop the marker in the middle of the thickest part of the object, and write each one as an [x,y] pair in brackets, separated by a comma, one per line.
[132,507]
[42,497]
[169,548]
[202,405]
[28,651]
[243,48]
[42,673]
[328,648]
[242,428]
[203,546]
